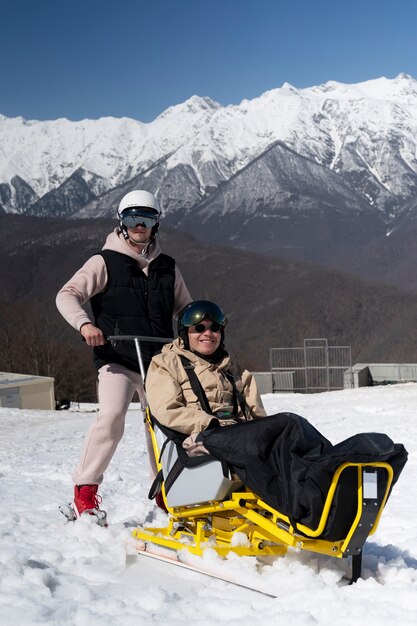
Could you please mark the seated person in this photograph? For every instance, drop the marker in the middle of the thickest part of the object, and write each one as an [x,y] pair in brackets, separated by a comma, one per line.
[193,388]
[229,398]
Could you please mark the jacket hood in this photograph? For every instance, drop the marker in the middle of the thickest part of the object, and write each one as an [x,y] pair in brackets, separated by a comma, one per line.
[117,243]
[178,348]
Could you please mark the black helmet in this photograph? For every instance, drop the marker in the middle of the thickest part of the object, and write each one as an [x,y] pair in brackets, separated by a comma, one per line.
[197,311]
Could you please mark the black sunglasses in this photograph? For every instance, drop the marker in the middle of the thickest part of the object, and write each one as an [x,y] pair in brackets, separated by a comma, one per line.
[200,328]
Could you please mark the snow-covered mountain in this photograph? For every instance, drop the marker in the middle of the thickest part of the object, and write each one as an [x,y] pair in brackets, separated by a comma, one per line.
[336,157]
[107,151]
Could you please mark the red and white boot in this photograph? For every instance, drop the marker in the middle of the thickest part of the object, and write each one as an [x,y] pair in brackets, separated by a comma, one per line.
[86,500]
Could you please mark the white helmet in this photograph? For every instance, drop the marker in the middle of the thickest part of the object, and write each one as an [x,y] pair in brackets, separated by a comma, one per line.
[140,199]
[139,202]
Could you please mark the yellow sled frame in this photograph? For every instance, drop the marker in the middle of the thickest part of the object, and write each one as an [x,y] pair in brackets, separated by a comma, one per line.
[267,532]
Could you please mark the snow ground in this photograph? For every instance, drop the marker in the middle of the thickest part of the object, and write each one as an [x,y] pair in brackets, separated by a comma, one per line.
[53,572]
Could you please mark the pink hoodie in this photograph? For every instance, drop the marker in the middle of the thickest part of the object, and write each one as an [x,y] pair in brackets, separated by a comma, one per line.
[91,279]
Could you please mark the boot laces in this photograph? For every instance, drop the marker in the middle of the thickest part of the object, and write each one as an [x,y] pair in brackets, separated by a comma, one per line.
[89,500]
[97,501]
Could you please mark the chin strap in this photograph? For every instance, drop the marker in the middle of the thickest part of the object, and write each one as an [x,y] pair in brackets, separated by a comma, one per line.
[146,246]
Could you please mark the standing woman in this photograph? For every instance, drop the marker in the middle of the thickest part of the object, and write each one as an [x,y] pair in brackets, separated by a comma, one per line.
[133,289]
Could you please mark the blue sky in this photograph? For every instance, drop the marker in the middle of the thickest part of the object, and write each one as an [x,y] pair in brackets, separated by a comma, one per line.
[91,58]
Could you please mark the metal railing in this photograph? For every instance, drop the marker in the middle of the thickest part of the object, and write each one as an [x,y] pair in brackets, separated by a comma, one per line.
[312,368]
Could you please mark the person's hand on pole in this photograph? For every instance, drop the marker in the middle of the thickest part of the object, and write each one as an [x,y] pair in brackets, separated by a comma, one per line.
[93,336]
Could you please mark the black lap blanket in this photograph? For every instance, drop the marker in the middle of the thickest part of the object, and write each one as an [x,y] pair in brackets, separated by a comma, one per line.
[289,464]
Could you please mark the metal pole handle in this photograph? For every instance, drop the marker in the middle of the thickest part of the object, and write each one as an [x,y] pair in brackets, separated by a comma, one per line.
[137,339]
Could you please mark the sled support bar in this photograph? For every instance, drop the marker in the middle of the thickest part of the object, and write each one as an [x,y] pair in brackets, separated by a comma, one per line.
[356,568]
[137,339]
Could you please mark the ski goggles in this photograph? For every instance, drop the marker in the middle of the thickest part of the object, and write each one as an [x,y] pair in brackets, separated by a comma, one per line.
[195,312]
[201,328]
[139,217]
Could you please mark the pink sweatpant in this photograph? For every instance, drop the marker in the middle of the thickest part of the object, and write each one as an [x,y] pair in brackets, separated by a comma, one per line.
[116,387]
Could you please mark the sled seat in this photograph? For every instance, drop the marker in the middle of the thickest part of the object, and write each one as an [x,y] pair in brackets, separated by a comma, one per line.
[189,481]
[183,483]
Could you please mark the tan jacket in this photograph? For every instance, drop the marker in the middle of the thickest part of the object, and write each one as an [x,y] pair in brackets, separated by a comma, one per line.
[172,400]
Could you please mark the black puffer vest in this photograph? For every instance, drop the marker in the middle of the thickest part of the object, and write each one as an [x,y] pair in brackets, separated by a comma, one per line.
[134,304]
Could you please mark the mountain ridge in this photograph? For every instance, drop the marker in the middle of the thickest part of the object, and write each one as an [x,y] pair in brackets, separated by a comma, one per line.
[361,138]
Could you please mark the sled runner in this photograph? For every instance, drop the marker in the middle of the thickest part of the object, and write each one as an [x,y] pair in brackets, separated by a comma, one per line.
[211,501]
